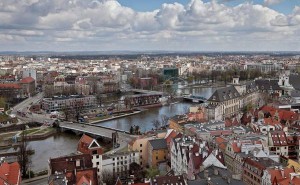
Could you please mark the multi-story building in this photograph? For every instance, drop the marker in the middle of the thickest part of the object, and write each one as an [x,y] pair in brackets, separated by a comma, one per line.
[253,169]
[279,175]
[118,163]
[28,86]
[191,156]
[72,169]
[157,151]
[177,122]
[88,145]
[224,102]
[141,145]
[283,143]
[58,103]
[11,91]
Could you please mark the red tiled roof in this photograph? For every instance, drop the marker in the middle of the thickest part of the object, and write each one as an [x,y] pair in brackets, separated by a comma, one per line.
[83,180]
[10,86]
[89,174]
[288,181]
[221,142]
[27,80]
[271,121]
[277,174]
[86,139]
[235,147]
[172,135]
[10,172]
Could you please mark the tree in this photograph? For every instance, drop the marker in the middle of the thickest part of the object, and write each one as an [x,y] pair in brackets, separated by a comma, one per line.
[67,112]
[155,123]
[23,156]
[48,91]
[99,98]
[164,120]
[247,108]
[107,178]
[152,172]
[78,109]
[3,103]
[131,130]
[137,130]
[136,170]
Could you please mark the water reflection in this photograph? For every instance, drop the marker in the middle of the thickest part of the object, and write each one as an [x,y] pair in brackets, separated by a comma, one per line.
[54,146]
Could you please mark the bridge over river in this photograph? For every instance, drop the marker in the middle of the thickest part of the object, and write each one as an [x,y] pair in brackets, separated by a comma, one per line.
[96,130]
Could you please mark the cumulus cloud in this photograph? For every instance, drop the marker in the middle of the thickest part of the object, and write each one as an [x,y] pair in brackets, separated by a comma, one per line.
[107,24]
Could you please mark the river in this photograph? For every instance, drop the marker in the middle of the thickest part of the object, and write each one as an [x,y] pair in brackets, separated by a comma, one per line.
[57,145]
[66,143]
[144,119]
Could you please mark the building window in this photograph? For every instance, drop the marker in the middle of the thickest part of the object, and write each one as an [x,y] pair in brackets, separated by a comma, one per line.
[141,151]
[141,145]
[97,163]
[156,157]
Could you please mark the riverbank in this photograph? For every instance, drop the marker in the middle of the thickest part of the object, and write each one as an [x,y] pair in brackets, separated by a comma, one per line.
[112,117]
[9,139]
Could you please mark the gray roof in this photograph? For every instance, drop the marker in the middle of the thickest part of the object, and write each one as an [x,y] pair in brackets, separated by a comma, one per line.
[267,84]
[294,80]
[221,178]
[251,87]
[158,144]
[295,93]
[224,94]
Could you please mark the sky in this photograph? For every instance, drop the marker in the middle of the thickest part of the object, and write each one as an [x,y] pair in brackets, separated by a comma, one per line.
[150,25]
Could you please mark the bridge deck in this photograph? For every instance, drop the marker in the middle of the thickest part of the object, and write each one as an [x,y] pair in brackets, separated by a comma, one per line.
[147,91]
[90,129]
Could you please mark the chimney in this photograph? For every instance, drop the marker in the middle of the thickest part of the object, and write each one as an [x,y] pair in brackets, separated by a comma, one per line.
[205,174]
[282,172]
[216,172]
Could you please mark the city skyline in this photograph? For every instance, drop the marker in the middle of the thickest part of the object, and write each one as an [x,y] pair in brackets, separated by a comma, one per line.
[137,25]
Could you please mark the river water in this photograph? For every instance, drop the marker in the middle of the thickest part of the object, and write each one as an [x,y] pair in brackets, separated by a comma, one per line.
[66,143]
[57,145]
[144,119]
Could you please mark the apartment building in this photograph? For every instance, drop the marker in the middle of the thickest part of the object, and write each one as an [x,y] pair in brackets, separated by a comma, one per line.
[118,163]
[58,103]
[157,151]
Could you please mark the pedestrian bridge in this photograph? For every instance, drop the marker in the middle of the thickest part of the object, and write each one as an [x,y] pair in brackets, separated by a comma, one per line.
[196,99]
[93,130]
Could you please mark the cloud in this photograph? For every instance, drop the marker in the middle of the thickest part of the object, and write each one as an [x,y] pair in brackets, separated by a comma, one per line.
[272,2]
[106,24]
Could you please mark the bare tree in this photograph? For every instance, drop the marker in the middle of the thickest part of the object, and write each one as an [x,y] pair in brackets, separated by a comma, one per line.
[164,120]
[78,109]
[48,90]
[100,99]
[156,123]
[67,112]
[23,156]
[107,178]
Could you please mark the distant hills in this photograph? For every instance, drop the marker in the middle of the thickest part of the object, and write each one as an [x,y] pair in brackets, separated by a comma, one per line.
[128,53]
